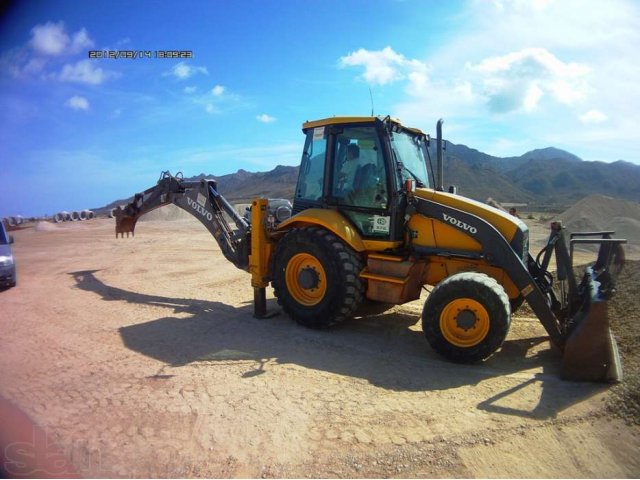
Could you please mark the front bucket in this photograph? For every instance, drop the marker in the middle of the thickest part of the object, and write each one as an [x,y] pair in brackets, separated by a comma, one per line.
[590,352]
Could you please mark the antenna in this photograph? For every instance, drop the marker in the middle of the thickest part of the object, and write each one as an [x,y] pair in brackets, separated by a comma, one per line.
[371,96]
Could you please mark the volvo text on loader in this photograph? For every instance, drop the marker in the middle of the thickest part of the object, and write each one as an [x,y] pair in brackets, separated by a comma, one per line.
[370,220]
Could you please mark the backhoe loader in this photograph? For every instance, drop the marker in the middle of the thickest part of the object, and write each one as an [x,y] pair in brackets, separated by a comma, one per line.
[370,220]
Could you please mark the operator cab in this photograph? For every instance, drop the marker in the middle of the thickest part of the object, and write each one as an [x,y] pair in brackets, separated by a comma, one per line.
[360,166]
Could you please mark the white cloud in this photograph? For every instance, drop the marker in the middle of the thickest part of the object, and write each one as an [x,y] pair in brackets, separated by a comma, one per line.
[51,39]
[217,90]
[182,71]
[190,90]
[210,108]
[385,66]
[530,72]
[593,116]
[77,103]
[81,41]
[34,66]
[264,118]
[84,71]
[519,80]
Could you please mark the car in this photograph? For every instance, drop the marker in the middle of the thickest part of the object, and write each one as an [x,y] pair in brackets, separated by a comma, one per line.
[7,261]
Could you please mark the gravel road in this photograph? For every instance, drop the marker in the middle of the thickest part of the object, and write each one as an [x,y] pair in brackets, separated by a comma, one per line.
[140,357]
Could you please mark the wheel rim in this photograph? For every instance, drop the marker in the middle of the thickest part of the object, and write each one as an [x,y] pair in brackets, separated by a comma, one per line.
[306,279]
[464,322]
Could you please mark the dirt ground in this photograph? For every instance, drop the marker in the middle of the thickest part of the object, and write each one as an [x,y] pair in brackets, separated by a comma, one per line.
[140,358]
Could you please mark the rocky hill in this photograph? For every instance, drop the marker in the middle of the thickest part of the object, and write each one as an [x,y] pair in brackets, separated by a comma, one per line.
[541,178]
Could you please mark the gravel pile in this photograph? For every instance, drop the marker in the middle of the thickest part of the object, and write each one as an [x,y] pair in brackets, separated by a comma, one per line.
[597,213]
[168,212]
[624,314]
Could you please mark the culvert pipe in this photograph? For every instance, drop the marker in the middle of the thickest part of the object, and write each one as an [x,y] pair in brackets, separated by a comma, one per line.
[86,214]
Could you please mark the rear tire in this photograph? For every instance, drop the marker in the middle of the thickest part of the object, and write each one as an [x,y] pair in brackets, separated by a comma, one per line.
[466,317]
[316,277]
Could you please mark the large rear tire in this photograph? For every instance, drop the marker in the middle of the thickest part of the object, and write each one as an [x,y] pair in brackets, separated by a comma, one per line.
[316,277]
[466,317]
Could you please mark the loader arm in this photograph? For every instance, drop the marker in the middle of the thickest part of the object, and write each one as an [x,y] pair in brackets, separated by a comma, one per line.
[577,322]
[202,200]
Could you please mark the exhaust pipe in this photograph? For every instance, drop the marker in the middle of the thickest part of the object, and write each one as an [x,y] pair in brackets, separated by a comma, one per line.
[440,155]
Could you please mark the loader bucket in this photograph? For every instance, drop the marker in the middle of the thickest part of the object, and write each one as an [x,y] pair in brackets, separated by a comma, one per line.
[590,352]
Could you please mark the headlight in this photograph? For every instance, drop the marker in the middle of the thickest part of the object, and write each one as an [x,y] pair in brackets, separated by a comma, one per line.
[6,260]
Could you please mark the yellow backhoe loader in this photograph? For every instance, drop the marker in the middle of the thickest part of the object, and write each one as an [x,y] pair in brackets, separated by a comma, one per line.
[370,220]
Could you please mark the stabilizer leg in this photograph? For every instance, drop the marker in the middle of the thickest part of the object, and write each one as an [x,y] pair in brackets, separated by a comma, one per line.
[259,302]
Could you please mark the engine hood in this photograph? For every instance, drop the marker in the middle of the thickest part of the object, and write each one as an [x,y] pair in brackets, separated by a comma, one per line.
[506,224]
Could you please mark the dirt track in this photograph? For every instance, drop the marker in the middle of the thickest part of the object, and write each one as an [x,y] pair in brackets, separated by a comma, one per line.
[141,357]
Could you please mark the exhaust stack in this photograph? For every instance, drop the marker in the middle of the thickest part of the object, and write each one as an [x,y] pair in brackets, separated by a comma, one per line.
[439,153]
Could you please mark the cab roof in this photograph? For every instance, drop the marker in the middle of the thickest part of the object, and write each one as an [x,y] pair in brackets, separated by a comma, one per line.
[346,120]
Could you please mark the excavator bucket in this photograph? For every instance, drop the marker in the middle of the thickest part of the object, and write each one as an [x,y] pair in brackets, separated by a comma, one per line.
[124,223]
[590,350]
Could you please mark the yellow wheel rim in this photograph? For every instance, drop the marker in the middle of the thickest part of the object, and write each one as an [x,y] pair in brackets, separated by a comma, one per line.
[464,322]
[306,279]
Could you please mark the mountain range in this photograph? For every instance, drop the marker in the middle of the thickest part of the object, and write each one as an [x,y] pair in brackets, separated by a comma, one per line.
[547,178]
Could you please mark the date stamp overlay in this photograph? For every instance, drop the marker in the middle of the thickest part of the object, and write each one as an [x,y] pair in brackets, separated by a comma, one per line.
[140,54]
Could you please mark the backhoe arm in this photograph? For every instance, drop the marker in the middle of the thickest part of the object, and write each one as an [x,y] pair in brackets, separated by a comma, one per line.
[202,200]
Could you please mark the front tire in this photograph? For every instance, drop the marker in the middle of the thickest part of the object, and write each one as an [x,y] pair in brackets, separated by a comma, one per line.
[316,277]
[466,317]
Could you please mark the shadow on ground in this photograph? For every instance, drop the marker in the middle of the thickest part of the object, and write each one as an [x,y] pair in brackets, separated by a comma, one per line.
[380,348]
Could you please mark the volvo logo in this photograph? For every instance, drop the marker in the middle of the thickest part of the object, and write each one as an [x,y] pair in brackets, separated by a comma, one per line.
[199,208]
[460,224]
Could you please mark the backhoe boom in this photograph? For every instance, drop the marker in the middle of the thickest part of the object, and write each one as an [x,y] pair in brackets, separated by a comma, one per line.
[202,200]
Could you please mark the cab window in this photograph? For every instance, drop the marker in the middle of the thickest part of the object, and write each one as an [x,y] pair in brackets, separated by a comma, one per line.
[311,177]
[359,177]
[408,151]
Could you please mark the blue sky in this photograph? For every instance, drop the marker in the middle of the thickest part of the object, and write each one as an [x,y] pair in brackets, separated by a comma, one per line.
[507,76]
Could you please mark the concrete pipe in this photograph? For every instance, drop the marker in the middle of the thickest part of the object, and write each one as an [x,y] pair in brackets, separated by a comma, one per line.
[19,219]
[86,214]
[111,212]
[75,216]
[58,217]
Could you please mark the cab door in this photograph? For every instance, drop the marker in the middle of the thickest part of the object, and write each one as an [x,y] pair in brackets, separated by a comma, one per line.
[358,181]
